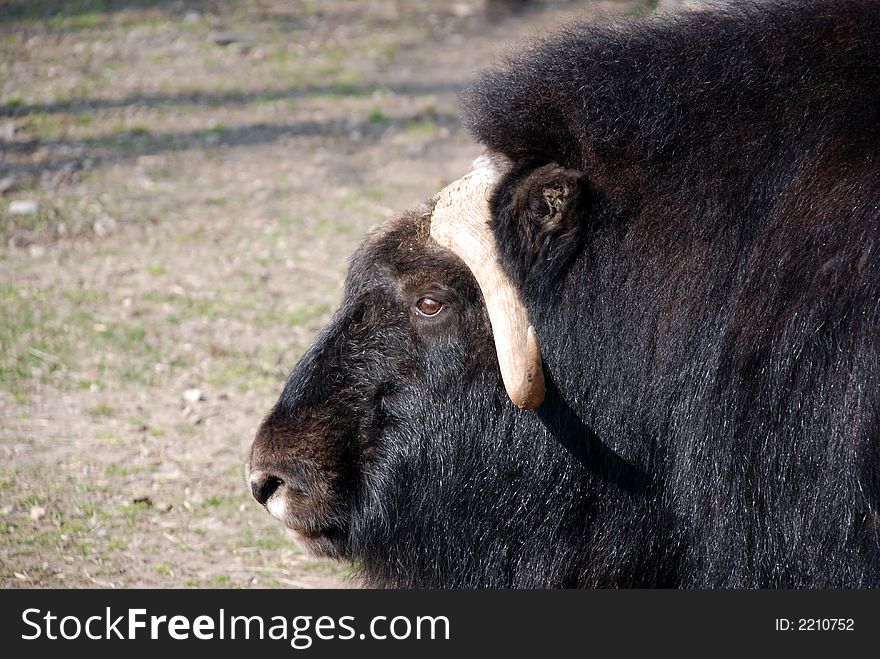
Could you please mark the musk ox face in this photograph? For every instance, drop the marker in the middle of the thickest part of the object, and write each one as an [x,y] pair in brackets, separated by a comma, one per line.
[394,442]
[412,327]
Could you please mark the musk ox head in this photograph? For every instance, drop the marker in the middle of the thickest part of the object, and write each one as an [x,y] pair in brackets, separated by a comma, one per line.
[396,441]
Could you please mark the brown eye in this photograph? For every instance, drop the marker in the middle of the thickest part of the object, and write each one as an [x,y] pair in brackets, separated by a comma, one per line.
[428,306]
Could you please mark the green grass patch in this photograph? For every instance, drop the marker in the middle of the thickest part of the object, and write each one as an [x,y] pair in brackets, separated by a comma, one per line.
[46,331]
[44,124]
[421,127]
[43,222]
[376,116]
[34,342]
[358,203]
[101,409]
[74,528]
[271,539]
[127,338]
[122,471]
[190,307]
[157,270]
[643,8]
[307,312]
[117,544]
[79,22]
[244,375]
[110,438]
[133,512]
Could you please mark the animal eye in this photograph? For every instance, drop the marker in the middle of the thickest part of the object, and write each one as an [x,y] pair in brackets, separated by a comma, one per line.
[428,306]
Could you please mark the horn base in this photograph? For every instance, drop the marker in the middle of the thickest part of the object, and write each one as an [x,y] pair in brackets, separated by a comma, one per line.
[460,222]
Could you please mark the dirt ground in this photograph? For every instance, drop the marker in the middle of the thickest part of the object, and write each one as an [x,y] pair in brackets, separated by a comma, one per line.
[180,186]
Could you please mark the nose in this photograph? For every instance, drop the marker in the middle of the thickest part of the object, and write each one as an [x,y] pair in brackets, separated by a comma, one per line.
[263,485]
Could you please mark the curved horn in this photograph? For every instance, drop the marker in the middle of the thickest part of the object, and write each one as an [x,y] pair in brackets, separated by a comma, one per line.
[460,222]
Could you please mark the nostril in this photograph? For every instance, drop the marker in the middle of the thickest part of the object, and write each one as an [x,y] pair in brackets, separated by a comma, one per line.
[264,485]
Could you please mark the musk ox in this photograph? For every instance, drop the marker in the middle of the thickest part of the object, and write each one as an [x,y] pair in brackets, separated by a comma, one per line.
[638,346]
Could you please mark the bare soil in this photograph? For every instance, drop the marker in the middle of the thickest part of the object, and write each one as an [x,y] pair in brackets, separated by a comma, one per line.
[201,171]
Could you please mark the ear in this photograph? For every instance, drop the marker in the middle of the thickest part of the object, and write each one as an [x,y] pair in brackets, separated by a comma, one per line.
[539,213]
[548,198]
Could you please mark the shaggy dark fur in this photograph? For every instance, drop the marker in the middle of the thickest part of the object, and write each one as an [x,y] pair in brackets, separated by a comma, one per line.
[693,218]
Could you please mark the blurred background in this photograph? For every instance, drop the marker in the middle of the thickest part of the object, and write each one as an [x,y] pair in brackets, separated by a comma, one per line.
[181,183]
